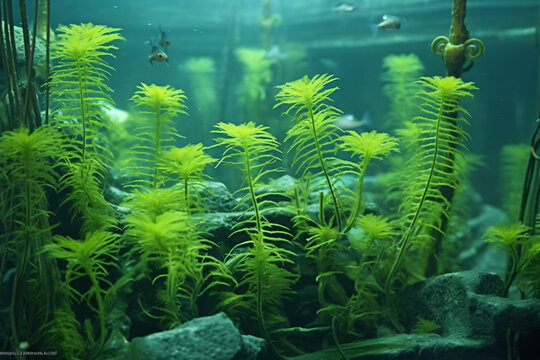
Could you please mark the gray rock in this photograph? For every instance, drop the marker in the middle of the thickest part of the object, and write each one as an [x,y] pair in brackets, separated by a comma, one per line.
[205,338]
[468,305]
[217,198]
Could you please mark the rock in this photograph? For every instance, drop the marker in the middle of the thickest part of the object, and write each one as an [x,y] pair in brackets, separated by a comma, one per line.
[445,300]
[205,338]
[467,305]
[39,53]
[217,198]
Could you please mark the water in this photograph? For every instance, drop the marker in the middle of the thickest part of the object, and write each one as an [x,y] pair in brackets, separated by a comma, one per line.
[506,74]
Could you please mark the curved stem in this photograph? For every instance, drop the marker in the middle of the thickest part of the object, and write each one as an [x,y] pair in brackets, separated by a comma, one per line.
[407,236]
[513,270]
[100,310]
[323,166]
[358,206]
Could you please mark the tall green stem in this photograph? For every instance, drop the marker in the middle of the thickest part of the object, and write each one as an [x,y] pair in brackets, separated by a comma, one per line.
[259,247]
[100,309]
[358,205]
[83,110]
[158,145]
[252,193]
[323,166]
[186,196]
[406,237]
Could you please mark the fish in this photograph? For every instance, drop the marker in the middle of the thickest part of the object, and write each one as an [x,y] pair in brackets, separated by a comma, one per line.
[164,40]
[275,53]
[158,54]
[344,7]
[350,122]
[388,22]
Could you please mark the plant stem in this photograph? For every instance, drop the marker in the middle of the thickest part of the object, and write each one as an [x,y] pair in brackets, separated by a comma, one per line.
[158,145]
[100,309]
[323,166]
[186,196]
[252,192]
[83,112]
[358,206]
[407,236]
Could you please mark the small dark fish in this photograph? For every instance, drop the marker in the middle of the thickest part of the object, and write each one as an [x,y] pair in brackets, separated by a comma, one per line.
[344,7]
[157,54]
[164,40]
[388,22]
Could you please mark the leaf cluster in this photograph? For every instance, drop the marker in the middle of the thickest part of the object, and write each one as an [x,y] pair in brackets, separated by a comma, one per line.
[156,133]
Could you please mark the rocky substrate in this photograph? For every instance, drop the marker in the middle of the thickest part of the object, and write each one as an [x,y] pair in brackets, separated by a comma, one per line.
[473,320]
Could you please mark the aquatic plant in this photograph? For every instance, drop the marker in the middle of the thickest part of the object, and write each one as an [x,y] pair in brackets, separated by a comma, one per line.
[90,259]
[27,170]
[252,150]
[161,104]
[202,76]
[437,165]
[171,242]
[314,134]
[373,237]
[516,240]
[366,146]
[187,163]
[513,166]
[400,86]
[256,80]
[78,85]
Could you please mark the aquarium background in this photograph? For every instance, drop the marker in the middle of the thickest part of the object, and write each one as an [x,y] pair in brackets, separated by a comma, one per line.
[503,112]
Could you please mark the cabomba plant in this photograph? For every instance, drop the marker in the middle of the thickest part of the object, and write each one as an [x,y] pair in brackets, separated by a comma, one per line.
[89,259]
[437,164]
[27,170]
[187,164]
[313,134]
[78,86]
[160,106]
[161,226]
[262,266]
[366,146]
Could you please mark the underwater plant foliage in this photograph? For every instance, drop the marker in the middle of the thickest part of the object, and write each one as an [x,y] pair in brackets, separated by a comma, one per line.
[356,259]
[27,170]
[160,104]
[523,249]
[187,163]
[255,83]
[513,166]
[89,258]
[313,133]
[202,76]
[400,75]
[161,224]
[78,87]
[251,149]
[437,164]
